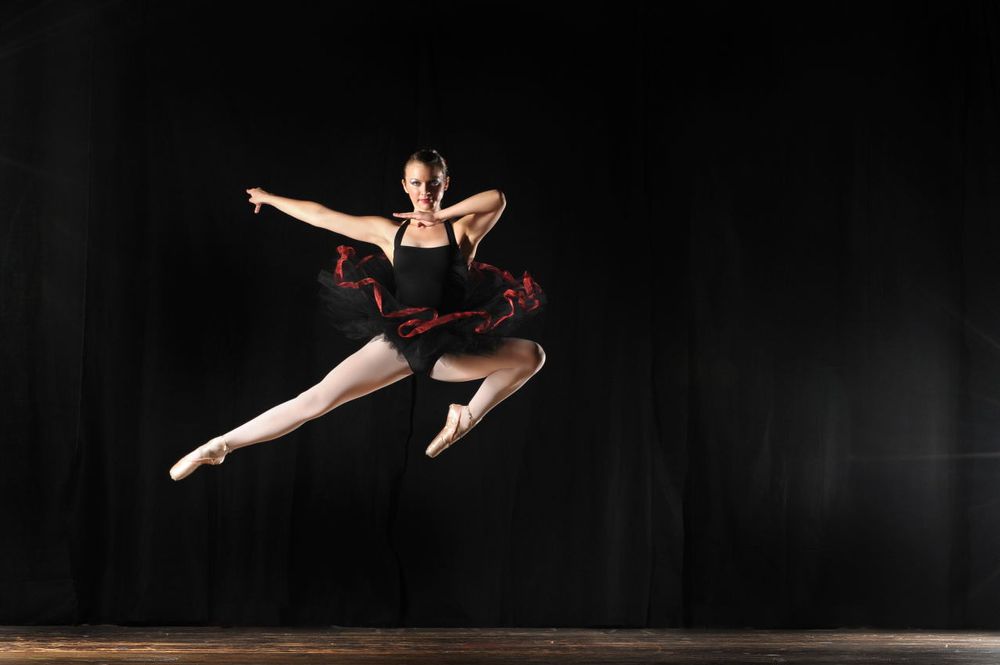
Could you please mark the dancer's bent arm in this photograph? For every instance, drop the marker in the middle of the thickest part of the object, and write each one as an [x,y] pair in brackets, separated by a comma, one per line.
[366,228]
[479,213]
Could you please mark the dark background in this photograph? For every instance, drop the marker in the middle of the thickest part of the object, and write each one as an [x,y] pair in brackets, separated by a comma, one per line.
[769,239]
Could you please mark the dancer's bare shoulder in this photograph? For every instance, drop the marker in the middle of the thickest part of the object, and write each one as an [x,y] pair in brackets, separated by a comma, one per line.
[474,226]
[467,242]
[382,230]
[385,235]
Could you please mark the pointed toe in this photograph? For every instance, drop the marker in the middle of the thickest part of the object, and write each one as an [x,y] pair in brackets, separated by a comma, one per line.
[186,465]
[452,430]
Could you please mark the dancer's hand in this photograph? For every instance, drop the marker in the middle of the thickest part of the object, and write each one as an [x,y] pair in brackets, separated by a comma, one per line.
[258,197]
[423,217]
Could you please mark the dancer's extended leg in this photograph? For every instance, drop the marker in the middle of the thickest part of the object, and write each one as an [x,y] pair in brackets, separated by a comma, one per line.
[371,367]
[516,361]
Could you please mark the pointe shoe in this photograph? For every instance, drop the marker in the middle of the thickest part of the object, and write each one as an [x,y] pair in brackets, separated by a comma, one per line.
[452,430]
[200,455]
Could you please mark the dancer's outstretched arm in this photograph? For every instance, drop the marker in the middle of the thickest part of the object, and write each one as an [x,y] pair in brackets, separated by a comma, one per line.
[366,228]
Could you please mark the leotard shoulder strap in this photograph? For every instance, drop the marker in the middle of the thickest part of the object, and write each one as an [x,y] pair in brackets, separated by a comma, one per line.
[399,233]
[451,232]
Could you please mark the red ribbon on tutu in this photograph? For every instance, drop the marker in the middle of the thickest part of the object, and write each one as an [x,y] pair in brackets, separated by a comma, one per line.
[523,294]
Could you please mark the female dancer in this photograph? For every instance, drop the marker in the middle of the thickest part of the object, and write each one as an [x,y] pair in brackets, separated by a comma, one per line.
[423,303]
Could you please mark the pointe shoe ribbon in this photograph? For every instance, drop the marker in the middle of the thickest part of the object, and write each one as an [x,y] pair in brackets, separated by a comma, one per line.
[452,430]
[187,464]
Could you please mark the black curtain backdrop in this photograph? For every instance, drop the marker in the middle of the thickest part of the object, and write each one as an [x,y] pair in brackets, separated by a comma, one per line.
[770,242]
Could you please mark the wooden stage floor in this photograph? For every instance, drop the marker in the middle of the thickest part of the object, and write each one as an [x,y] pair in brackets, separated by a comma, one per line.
[118,644]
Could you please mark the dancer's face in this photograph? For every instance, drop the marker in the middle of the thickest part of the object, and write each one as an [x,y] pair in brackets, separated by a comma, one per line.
[425,186]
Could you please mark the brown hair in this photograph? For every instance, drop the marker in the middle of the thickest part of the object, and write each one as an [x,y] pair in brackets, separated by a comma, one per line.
[428,156]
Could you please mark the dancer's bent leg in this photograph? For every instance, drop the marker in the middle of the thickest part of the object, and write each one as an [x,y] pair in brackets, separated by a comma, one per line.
[373,366]
[505,371]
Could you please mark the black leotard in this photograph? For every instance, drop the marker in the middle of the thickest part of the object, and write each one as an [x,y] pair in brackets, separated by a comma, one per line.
[429,276]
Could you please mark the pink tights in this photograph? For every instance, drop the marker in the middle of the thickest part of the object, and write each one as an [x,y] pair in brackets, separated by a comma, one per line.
[376,365]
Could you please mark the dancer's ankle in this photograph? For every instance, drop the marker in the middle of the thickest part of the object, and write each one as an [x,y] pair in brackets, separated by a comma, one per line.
[222,444]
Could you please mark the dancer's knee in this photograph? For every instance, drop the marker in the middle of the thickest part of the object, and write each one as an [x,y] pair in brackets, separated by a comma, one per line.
[524,357]
[535,357]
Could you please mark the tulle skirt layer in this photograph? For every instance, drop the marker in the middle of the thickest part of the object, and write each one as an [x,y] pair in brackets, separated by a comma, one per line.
[358,299]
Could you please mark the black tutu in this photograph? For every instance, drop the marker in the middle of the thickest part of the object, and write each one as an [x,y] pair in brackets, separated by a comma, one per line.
[358,299]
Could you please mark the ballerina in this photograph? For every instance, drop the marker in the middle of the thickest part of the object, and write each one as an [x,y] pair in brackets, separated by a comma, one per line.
[424,306]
